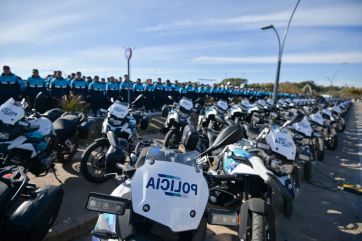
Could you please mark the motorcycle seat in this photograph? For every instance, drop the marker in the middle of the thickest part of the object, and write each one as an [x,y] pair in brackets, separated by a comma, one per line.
[65,125]
[251,131]
[53,114]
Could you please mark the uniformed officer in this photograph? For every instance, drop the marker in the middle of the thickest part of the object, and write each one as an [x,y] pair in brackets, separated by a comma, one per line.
[149,95]
[112,88]
[159,94]
[96,95]
[183,90]
[190,91]
[78,85]
[9,85]
[138,89]
[176,91]
[125,87]
[34,85]
[168,92]
[59,86]
[103,86]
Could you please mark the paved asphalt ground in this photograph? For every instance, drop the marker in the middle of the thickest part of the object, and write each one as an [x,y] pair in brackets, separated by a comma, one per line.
[321,210]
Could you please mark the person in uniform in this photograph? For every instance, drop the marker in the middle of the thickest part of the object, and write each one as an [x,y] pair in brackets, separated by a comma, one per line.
[79,86]
[9,85]
[149,95]
[34,85]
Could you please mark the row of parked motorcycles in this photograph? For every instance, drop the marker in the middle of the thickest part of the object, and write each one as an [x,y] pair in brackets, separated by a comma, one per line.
[224,170]
[33,142]
[221,163]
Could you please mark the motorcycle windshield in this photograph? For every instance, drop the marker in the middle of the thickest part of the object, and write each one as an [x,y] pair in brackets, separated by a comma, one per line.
[162,154]
[11,112]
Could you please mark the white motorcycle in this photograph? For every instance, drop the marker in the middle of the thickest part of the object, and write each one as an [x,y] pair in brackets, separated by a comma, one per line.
[34,141]
[282,152]
[163,199]
[121,122]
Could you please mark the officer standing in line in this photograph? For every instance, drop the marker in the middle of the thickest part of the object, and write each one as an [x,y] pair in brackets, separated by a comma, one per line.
[137,90]
[59,86]
[149,94]
[176,91]
[96,95]
[159,95]
[112,88]
[34,85]
[183,90]
[168,92]
[79,86]
[214,92]
[49,78]
[124,87]
[9,85]
[190,91]
[102,86]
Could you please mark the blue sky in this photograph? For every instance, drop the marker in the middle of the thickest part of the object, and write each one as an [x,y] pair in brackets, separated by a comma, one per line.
[184,40]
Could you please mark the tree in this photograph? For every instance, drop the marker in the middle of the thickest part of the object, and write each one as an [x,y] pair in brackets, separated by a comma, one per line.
[234,81]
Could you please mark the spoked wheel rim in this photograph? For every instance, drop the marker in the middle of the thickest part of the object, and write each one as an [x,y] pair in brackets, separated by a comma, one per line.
[96,161]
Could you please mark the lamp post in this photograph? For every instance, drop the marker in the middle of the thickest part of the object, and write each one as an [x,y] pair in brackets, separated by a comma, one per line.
[331,80]
[128,56]
[280,54]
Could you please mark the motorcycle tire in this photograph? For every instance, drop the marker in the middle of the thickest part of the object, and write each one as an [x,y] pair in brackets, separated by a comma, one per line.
[307,171]
[318,150]
[332,143]
[258,227]
[164,111]
[172,139]
[144,123]
[84,164]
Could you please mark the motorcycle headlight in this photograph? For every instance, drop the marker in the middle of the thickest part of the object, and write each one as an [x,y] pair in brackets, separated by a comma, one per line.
[303,157]
[279,168]
[115,122]
[4,135]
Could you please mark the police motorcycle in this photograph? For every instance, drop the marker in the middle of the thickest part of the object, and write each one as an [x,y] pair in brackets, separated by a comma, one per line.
[257,112]
[122,121]
[34,141]
[26,212]
[330,132]
[211,122]
[163,198]
[283,151]
[337,115]
[178,126]
[235,114]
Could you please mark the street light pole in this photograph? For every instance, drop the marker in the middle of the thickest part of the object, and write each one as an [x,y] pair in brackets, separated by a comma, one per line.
[280,53]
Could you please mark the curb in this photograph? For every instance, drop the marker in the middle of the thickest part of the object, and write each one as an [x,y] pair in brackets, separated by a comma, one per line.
[71,229]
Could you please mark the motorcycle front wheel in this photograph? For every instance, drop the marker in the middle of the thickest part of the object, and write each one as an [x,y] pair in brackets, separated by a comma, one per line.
[92,165]
[257,228]
[332,142]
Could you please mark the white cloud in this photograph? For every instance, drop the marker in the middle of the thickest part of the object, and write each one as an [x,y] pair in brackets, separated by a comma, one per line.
[345,15]
[317,58]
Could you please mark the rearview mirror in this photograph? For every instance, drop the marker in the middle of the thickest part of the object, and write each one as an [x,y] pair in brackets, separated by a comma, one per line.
[298,117]
[138,99]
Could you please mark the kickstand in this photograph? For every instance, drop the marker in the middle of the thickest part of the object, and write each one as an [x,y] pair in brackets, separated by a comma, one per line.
[55,175]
